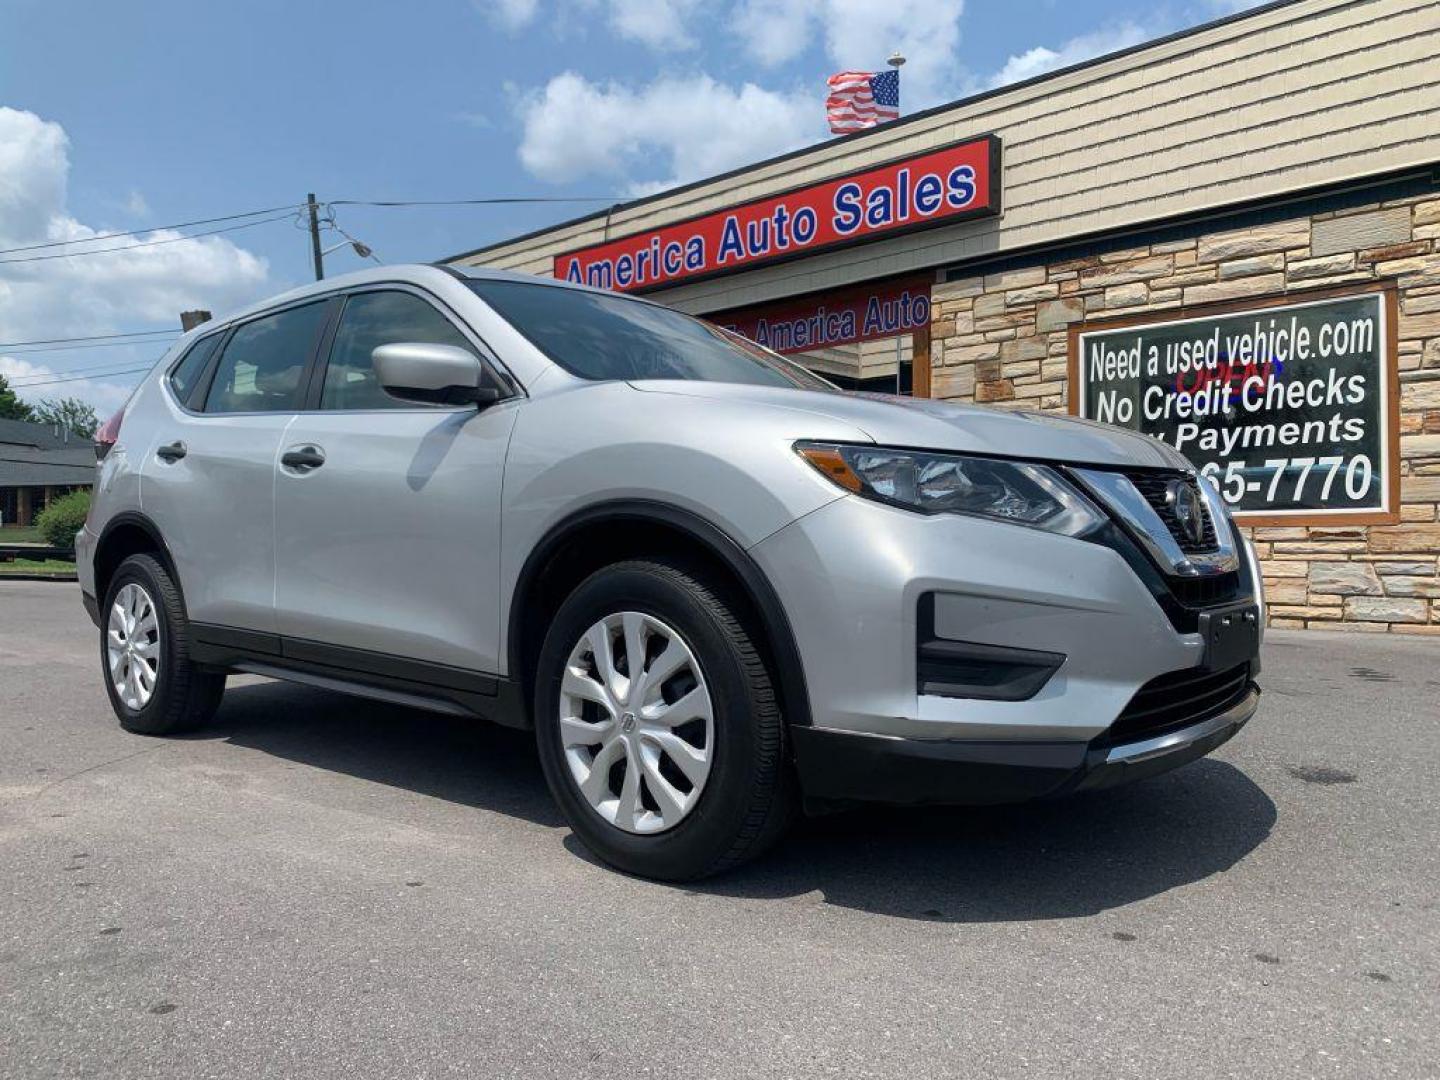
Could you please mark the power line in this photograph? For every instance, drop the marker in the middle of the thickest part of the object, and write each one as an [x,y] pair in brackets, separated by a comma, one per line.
[46,374]
[91,337]
[474,202]
[82,348]
[152,228]
[391,203]
[43,373]
[148,243]
[79,378]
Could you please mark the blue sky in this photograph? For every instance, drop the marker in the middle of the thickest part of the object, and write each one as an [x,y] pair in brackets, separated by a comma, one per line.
[118,117]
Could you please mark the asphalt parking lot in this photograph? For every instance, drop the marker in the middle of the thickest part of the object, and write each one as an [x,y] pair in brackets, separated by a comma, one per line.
[318,886]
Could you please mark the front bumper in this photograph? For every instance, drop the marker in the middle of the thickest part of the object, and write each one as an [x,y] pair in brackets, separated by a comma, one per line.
[867,586]
[848,766]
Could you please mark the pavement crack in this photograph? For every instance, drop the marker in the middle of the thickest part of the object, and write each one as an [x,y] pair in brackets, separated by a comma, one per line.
[97,766]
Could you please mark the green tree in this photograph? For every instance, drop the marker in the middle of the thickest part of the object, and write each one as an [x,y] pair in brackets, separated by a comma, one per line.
[11,407]
[70,413]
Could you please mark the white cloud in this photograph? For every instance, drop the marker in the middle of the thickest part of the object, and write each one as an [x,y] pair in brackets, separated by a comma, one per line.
[136,206]
[99,294]
[667,132]
[511,14]
[861,34]
[660,24]
[1040,59]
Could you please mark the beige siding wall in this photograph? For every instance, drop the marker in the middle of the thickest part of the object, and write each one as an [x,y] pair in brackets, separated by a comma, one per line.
[1308,94]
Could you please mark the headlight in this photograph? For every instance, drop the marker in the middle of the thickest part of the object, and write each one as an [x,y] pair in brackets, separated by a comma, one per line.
[927,483]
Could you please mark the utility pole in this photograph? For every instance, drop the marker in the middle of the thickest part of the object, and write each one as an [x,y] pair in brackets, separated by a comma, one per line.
[315,236]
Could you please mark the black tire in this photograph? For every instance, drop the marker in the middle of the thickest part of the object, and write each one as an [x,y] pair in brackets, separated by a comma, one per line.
[185,696]
[748,797]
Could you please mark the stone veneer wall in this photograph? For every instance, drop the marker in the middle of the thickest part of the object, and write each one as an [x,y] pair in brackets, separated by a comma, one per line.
[1001,339]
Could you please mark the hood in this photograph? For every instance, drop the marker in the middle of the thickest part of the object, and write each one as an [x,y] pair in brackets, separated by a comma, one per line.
[920,423]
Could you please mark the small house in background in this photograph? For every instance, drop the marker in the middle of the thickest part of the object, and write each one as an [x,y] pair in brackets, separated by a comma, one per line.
[39,463]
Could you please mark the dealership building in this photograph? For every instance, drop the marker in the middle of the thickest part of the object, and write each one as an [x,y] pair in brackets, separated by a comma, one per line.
[1229,239]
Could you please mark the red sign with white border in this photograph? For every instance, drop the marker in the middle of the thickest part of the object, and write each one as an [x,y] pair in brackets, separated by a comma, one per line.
[951,184]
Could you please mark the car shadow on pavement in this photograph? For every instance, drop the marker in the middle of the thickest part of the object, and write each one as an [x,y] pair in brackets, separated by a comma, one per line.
[459,759]
[1045,860]
[1056,860]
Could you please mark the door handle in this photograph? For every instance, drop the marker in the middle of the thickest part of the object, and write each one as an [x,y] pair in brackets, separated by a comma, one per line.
[303,459]
[173,452]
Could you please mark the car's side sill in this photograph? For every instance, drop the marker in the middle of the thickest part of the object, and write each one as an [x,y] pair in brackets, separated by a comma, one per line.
[349,686]
[379,676]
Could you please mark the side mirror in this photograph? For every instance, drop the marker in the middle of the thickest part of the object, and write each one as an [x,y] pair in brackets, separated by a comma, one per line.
[432,374]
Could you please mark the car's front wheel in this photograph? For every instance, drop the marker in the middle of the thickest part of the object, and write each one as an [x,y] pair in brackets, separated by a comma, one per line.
[154,687]
[658,725]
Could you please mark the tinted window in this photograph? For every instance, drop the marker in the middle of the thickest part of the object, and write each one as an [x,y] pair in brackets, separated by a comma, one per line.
[372,319]
[187,372]
[600,336]
[261,367]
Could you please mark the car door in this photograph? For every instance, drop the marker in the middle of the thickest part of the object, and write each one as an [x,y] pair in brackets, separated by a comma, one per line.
[208,478]
[388,520]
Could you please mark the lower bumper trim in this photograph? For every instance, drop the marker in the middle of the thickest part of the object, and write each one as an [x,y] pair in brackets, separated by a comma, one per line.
[850,766]
[92,607]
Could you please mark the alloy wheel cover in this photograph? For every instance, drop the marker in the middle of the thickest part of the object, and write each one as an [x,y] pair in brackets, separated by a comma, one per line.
[132,646]
[638,738]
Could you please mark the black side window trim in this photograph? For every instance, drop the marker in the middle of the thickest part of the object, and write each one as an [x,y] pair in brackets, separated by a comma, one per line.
[313,377]
[493,370]
[332,301]
[218,338]
[195,400]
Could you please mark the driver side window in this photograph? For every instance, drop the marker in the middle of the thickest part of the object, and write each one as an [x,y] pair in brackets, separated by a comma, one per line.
[372,319]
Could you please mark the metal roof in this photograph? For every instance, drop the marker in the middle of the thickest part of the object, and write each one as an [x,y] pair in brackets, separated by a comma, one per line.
[36,455]
[39,436]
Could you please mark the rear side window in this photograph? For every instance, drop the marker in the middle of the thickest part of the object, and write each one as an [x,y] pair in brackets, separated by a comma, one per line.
[372,319]
[261,367]
[185,374]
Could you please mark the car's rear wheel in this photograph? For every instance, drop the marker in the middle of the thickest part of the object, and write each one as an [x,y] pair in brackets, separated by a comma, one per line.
[658,725]
[154,687]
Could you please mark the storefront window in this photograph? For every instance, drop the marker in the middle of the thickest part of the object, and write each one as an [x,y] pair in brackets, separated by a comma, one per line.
[883,366]
[873,338]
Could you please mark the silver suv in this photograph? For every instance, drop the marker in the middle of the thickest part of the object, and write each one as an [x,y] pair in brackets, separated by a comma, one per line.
[715,586]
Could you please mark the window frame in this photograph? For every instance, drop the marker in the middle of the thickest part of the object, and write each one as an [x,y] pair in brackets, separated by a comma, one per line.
[202,377]
[329,300]
[313,377]
[494,371]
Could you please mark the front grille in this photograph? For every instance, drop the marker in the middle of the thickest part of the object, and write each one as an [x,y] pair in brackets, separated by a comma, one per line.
[1177,700]
[1152,486]
[1206,591]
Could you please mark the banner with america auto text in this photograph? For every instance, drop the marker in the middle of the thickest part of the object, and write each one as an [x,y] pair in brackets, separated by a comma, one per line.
[838,317]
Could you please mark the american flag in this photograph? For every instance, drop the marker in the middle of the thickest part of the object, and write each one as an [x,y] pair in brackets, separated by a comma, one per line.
[862,99]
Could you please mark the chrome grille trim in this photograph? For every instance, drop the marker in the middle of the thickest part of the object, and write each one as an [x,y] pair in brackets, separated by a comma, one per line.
[1116,491]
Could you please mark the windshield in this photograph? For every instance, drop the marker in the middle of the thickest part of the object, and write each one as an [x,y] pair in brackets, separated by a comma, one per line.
[602,337]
